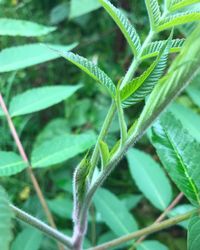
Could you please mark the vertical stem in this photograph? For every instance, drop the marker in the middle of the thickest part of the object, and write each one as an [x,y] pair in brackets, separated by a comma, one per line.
[29,170]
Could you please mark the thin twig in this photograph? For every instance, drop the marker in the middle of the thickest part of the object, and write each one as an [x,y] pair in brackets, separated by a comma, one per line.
[49,231]
[163,215]
[146,231]
[29,169]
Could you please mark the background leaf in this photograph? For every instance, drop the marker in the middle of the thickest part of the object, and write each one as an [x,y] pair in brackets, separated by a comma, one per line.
[81,7]
[151,245]
[40,98]
[29,238]
[6,216]
[193,233]
[11,163]
[61,148]
[23,56]
[14,27]
[150,178]
[114,213]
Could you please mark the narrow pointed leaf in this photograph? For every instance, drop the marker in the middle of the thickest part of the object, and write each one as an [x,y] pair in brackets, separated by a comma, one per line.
[178,4]
[61,148]
[20,57]
[114,213]
[178,19]
[6,216]
[179,154]
[11,163]
[154,48]
[40,98]
[150,178]
[125,26]
[153,12]
[92,70]
[194,233]
[14,27]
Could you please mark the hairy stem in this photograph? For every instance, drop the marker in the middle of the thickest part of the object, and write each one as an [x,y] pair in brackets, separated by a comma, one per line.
[146,231]
[29,169]
[49,231]
[104,130]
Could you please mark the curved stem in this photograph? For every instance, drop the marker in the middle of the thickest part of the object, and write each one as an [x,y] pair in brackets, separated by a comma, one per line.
[49,231]
[146,231]
[29,169]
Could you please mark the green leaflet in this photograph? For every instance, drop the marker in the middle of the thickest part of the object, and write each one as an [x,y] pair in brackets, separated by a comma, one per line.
[114,213]
[6,216]
[82,7]
[23,56]
[11,163]
[61,148]
[179,154]
[92,70]
[153,12]
[178,4]
[37,99]
[125,26]
[178,19]
[14,27]
[139,88]
[193,240]
[154,48]
[104,152]
[156,186]
[151,245]
[29,238]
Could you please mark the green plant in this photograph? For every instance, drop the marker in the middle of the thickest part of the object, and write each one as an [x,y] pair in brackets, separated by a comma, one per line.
[156,87]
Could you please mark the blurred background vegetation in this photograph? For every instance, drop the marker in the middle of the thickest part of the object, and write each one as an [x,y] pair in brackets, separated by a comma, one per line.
[99,40]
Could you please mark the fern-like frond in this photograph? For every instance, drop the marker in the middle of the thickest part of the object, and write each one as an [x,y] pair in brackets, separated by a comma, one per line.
[92,70]
[154,12]
[178,19]
[124,24]
[145,86]
[154,48]
[178,4]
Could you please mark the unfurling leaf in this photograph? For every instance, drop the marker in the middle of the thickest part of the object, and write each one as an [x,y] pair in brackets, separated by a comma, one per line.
[178,19]
[125,26]
[80,184]
[178,4]
[153,12]
[104,152]
[154,48]
[139,88]
[92,70]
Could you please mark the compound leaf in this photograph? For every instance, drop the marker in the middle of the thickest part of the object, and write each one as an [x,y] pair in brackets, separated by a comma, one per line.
[153,12]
